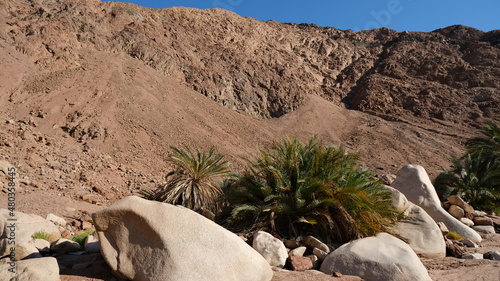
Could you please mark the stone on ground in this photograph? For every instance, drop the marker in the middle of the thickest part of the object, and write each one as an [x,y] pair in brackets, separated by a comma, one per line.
[27,250]
[42,245]
[41,269]
[414,183]
[91,244]
[26,225]
[271,248]
[63,246]
[418,228]
[475,256]
[467,222]
[313,242]
[299,263]
[456,211]
[455,200]
[56,219]
[297,251]
[146,240]
[383,257]
[492,255]
[483,221]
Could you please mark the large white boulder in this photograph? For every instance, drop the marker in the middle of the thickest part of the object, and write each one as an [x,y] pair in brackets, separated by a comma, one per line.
[22,229]
[147,240]
[414,183]
[271,248]
[420,231]
[379,258]
[41,269]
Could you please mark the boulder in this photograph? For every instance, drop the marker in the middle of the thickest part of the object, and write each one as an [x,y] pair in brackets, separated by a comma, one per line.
[415,184]
[147,240]
[475,256]
[482,221]
[484,229]
[492,255]
[383,257]
[320,253]
[467,222]
[297,251]
[457,201]
[443,228]
[299,263]
[25,226]
[63,246]
[313,242]
[41,269]
[271,248]
[42,245]
[456,211]
[56,219]
[469,243]
[418,228]
[91,244]
[27,250]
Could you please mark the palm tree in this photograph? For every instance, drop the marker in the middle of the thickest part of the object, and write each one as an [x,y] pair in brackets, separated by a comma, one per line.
[474,177]
[489,144]
[190,185]
[296,189]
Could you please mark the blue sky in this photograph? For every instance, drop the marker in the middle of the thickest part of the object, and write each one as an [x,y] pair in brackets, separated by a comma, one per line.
[411,15]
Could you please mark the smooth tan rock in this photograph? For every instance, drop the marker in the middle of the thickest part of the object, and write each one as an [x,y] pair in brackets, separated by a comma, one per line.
[414,183]
[271,248]
[467,222]
[320,253]
[482,221]
[42,245]
[25,226]
[56,219]
[313,242]
[27,250]
[455,200]
[456,212]
[383,257]
[418,228]
[443,228]
[297,251]
[152,241]
[41,269]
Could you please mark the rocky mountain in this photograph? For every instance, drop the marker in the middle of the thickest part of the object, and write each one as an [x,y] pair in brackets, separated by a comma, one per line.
[93,94]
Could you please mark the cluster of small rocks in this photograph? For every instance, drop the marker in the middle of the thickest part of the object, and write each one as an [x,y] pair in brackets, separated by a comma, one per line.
[464,212]
[42,257]
[299,254]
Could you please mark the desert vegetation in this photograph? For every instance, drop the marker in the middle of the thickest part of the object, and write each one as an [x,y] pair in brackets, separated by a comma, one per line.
[191,183]
[475,176]
[291,189]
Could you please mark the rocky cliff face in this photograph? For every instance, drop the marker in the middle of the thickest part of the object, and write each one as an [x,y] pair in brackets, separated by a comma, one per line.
[267,68]
[95,93]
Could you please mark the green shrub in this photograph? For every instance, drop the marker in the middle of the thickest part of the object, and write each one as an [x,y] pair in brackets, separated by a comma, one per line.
[475,177]
[190,185]
[298,189]
[80,238]
[453,236]
[45,236]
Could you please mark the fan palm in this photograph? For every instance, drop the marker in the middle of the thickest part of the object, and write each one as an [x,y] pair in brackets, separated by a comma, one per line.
[474,177]
[296,189]
[489,144]
[190,185]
